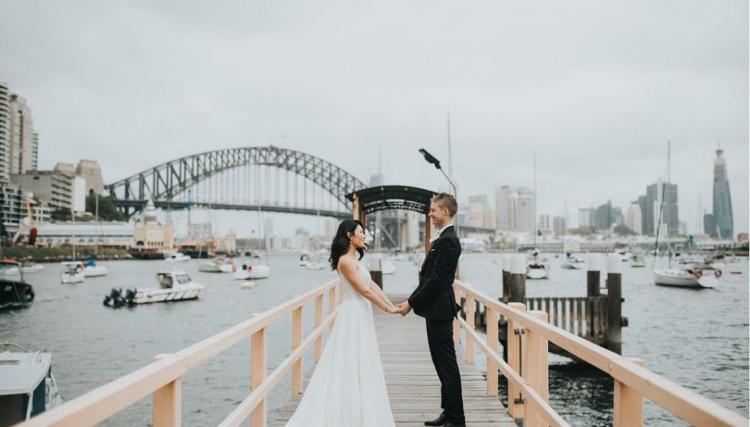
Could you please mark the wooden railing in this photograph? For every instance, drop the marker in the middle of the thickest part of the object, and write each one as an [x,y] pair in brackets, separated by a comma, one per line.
[163,378]
[582,316]
[527,370]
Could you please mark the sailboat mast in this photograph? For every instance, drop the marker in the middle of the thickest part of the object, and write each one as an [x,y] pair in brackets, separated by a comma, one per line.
[450,151]
[534,225]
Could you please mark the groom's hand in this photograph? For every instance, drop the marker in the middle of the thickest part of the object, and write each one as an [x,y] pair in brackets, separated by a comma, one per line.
[404,308]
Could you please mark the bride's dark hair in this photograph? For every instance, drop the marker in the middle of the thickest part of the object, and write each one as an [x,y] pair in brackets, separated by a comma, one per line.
[340,244]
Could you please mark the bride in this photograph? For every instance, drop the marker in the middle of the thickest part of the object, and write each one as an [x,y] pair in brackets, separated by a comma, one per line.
[347,388]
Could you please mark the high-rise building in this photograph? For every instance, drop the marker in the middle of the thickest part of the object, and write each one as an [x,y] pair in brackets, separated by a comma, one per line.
[479,213]
[558,224]
[633,218]
[21,135]
[502,207]
[92,173]
[35,152]
[545,222]
[4,133]
[51,187]
[709,225]
[660,196]
[603,218]
[585,217]
[522,212]
[723,220]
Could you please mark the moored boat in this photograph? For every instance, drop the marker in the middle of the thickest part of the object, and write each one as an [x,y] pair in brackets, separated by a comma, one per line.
[73,274]
[685,278]
[14,291]
[172,286]
[27,386]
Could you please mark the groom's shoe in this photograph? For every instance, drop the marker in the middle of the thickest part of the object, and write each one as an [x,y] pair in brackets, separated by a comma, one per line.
[439,421]
[449,424]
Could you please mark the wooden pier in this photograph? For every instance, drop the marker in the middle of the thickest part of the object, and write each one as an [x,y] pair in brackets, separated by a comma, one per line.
[413,385]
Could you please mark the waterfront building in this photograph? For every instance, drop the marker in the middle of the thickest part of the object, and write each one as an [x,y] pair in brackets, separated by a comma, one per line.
[21,136]
[66,168]
[522,212]
[35,152]
[86,234]
[4,133]
[50,187]
[633,218]
[92,174]
[544,222]
[11,200]
[722,199]
[151,236]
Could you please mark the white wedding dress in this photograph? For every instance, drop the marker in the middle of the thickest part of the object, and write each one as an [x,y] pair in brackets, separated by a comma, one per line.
[347,388]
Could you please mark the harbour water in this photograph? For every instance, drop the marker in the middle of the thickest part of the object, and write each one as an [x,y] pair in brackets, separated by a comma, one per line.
[696,338]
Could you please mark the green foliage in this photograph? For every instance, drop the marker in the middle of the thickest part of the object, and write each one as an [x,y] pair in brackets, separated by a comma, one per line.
[583,231]
[107,208]
[623,230]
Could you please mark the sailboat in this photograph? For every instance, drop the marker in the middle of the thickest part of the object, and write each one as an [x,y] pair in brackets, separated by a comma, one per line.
[685,277]
[536,268]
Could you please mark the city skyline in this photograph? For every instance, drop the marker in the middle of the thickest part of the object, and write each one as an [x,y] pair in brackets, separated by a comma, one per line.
[597,112]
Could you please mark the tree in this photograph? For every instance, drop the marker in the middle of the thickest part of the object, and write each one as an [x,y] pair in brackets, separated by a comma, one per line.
[623,230]
[107,208]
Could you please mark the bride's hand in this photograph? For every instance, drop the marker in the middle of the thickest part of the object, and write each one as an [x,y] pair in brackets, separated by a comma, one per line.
[392,309]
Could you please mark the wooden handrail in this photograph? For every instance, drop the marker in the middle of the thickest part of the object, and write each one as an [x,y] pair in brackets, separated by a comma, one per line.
[681,402]
[115,396]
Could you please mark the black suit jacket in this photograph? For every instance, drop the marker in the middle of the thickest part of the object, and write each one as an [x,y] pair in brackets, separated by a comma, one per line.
[434,298]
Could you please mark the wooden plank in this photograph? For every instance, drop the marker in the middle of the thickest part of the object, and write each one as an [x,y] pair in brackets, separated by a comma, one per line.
[413,386]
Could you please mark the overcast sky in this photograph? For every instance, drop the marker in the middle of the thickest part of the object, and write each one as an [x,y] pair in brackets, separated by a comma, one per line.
[595,88]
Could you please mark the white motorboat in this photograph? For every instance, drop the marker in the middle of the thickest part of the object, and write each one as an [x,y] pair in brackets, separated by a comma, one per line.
[217,265]
[572,262]
[172,286]
[31,267]
[637,261]
[623,254]
[28,387]
[177,257]
[686,278]
[73,274]
[310,263]
[255,270]
[90,268]
[537,269]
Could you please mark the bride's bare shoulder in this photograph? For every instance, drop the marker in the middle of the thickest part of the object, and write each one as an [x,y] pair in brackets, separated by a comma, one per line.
[347,263]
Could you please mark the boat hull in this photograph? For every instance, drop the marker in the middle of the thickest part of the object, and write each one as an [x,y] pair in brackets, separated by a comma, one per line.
[682,279]
[15,294]
[182,293]
[257,272]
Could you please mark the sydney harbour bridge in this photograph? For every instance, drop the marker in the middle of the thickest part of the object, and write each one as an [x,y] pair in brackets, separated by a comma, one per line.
[267,179]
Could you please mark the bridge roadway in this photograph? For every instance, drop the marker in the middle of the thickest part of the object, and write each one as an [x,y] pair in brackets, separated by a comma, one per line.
[413,386]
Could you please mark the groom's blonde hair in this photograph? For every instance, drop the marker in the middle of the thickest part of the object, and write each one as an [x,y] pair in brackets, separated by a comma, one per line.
[446,201]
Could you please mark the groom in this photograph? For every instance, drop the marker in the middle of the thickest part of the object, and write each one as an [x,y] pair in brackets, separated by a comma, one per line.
[435,301]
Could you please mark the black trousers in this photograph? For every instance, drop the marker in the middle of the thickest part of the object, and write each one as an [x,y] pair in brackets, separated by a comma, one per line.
[440,338]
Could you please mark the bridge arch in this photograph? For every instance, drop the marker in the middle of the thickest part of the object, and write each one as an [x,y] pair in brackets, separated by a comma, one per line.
[163,182]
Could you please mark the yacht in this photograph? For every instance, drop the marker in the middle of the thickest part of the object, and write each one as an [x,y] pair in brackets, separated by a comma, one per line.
[177,257]
[89,268]
[217,265]
[572,262]
[257,269]
[637,261]
[537,269]
[310,263]
[171,286]
[27,386]
[685,278]
[73,273]
[14,291]
[31,267]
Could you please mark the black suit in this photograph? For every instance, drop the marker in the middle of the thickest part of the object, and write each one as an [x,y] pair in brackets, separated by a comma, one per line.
[435,301]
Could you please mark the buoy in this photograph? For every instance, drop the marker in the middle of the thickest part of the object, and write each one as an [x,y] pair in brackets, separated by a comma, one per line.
[248,285]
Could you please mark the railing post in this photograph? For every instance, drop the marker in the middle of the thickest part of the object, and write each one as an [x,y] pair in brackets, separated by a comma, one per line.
[628,405]
[296,342]
[470,307]
[258,372]
[456,324]
[513,341]
[492,340]
[614,303]
[332,304]
[167,403]
[318,322]
[536,369]
[594,268]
